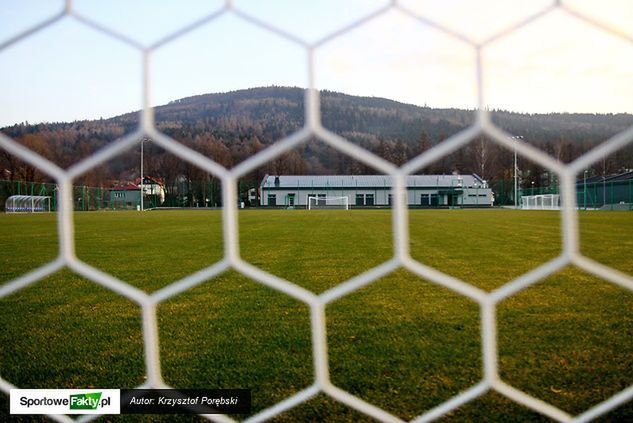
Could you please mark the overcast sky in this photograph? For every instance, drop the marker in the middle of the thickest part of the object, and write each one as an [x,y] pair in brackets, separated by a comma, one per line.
[69,71]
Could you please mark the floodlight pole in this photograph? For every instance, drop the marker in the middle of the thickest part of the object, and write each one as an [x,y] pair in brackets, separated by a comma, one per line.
[585,190]
[516,182]
[516,171]
[604,188]
[143,140]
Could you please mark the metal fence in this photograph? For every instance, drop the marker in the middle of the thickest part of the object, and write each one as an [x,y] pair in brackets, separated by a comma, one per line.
[84,198]
[595,195]
[605,195]
[590,195]
[9,188]
[491,380]
[503,190]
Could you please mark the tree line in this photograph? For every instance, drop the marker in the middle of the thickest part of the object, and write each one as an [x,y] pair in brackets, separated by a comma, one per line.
[230,127]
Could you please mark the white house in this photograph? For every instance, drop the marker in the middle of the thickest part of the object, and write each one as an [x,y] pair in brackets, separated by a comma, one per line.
[127,195]
[153,186]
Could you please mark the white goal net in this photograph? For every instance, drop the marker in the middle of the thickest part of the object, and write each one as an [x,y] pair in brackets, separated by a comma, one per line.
[541,202]
[492,378]
[319,202]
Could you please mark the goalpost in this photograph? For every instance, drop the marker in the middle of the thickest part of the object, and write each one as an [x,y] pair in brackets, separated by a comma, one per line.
[322,202]
[541,202]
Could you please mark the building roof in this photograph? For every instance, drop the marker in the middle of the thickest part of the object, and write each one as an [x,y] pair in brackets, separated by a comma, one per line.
[368,181]
[136,185]
[626,176]
[150,180]
[616,177]
[125,187]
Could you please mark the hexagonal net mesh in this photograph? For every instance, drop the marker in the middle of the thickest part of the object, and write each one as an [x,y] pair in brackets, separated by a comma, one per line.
[569,254]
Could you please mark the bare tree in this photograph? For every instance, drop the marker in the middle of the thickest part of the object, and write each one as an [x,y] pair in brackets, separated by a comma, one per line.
[483,155]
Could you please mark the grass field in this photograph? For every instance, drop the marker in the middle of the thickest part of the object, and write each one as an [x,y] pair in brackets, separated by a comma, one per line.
[401,343]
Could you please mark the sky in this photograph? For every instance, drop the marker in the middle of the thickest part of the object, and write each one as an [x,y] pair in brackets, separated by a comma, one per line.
[69,71]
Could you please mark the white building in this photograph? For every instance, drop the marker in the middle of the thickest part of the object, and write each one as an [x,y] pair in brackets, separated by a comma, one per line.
[154,187]
[375,190]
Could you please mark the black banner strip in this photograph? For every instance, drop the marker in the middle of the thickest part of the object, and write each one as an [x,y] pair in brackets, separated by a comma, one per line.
[185,401]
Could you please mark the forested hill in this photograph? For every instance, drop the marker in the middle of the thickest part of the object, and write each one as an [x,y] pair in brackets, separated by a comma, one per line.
[232,126]
[273,112]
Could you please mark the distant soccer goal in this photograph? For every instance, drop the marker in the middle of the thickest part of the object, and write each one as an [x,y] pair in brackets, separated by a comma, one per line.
[541,202]
[322,202]
[27,204]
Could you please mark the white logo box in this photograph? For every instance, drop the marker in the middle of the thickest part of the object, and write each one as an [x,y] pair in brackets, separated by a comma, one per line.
[65,401]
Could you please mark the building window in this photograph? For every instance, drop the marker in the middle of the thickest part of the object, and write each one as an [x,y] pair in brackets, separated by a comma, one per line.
[429,200]
[364,199]
[272,199]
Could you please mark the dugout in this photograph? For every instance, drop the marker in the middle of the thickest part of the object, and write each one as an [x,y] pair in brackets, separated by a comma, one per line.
[28,204]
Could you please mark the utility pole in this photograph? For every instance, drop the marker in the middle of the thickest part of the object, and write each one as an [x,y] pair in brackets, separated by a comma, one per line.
[142,174]
[585,190]
[516,172]
[142,177]
[516,181]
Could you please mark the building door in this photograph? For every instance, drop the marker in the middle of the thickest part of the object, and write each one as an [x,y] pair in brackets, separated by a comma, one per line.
[453,200]
[291,200]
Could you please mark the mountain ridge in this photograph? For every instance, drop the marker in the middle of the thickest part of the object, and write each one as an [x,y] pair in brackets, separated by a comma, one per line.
[232,126]
[290,99]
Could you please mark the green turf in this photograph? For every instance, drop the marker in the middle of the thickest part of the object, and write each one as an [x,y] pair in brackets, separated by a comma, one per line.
[401,343]
[485,247]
